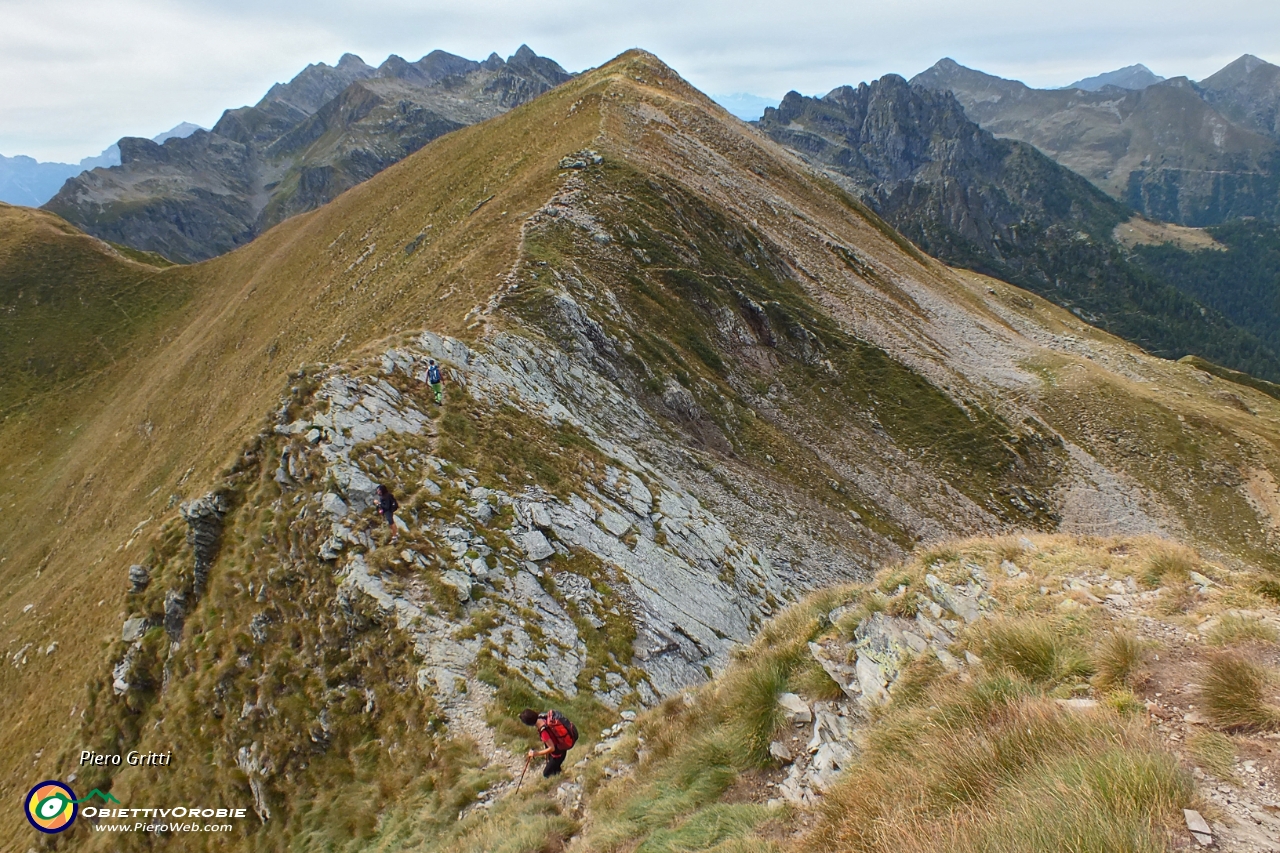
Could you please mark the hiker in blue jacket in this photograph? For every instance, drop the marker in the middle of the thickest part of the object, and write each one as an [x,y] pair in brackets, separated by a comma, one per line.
[436,381]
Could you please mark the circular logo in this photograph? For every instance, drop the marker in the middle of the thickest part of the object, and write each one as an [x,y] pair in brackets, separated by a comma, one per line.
[51,807]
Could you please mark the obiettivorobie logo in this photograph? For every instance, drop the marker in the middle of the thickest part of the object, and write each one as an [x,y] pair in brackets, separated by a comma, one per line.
[51,806]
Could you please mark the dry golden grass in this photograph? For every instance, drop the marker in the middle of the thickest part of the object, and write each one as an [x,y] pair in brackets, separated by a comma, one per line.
[994,767]
[1143,232]
[1215,751]
[1235,629]
[1238,693]
[1116,659]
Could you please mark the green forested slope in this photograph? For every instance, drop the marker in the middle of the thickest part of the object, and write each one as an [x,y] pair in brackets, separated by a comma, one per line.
[1242,283]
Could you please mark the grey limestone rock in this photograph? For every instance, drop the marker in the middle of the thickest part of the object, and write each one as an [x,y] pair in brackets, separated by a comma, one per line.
[175,613]
[133,629]
[968,603]
[333,505]
[614,522]
[204,534]
[460,581]
[539,515]
[122,670]
[794,709]
[139,579]
[536,547]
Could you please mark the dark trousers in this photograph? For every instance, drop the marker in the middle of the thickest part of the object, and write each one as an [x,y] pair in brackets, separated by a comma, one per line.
[555,762]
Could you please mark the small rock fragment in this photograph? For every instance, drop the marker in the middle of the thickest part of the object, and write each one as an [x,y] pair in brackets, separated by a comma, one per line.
[536,547]
[1198,826]
[794,709]
[1077,704]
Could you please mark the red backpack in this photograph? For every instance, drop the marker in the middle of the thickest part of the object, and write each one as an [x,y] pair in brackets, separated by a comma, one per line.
[564,734]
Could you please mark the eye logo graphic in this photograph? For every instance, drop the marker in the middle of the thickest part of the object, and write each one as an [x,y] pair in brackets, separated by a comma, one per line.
[51,807]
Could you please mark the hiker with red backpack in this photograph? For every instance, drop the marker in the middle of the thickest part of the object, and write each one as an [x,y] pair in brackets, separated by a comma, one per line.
[557,732]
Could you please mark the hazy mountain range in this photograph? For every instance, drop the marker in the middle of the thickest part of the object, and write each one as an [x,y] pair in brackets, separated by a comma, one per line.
[1002,207]
[1175,150]
[305,142]
[923,161]
[25,181]
[1131,77]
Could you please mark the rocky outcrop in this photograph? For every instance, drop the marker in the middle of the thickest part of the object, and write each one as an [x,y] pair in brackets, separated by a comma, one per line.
[204,534]
[669,553]
[139,579]
[867,668]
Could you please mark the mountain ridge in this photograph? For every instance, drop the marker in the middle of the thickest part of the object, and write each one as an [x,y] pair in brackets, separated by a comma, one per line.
[302,144]
[25,181]
[687,380]
[1164,150]
[1000,207]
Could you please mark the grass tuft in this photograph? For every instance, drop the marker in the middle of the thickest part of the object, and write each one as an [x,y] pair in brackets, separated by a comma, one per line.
[1035,649]
[1116,660]
[1234,630]
[1234,690]
[1169,564]
[991,768]
[1216,753]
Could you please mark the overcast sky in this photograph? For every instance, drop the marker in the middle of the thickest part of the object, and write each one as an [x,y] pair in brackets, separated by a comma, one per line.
[75,75]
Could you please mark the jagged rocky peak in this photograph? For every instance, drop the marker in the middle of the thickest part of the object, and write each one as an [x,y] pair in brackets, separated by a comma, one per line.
[303,144]
[432,68]
[318,83]
[887,128]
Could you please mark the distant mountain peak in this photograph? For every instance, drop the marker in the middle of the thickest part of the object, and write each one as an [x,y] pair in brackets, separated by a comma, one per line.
[1236,72]
[1130,77]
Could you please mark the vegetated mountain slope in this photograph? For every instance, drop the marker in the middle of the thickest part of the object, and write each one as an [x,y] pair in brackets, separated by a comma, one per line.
[305,142]
[1163,150]
[69,305]
[1093,689]
[1130,77]
[1248,92]
[1243,283]
[1001,207]
[687,382]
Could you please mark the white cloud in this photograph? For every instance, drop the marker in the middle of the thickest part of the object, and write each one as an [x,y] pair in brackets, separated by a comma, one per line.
[75,74]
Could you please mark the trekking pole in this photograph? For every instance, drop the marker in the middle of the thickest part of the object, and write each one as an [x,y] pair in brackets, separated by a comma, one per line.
[527,759]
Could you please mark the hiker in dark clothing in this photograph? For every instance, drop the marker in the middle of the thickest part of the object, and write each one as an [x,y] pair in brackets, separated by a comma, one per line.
[435,380]
[556,732]
[387,506]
